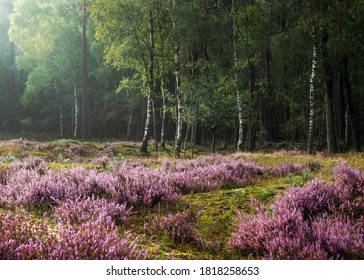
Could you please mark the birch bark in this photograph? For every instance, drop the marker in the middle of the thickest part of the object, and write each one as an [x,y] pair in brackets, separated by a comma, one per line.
[236,82]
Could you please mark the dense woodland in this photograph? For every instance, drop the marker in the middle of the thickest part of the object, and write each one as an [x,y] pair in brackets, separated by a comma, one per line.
[225,73]
[109,110]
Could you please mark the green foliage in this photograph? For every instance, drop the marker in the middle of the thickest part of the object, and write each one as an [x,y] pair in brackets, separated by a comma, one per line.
[118,158]
[8,159]
[61,159]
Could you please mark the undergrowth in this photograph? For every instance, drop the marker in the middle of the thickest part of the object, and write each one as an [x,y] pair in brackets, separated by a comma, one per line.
[171,209]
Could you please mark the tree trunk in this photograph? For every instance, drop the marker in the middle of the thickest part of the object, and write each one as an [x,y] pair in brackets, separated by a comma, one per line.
[269,99]
[179,108]
[61,130]
[178,137]
[213,144]
[150,103]
[251,124]
[186,137]
[226,138]
[84,75]
[342,107]
[352,114]
[128,133]
[163,115]
[236,81]
[347,130]
[144,147]
[75,109]
[329,95]
[155,129]
[151,77]
[58,96]
[311,121]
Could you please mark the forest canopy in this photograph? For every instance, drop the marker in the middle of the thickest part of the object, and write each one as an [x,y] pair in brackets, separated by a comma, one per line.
[222,72]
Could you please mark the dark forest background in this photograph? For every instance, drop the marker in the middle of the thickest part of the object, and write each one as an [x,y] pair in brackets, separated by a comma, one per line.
[225,73]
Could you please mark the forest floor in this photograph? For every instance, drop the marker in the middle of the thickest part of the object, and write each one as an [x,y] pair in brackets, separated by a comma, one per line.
[213,214]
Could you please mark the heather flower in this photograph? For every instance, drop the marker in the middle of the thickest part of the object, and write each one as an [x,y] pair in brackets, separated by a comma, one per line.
[341,237]
[95,240]
[319,221]
[83,210]
[180,227]
[31,163]
[22,238]
[351,191]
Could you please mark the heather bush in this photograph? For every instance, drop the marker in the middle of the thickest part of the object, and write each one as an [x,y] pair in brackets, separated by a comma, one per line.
[28,188]
[180,227]
[286,168]
[203,177]
[138,185]
[351,190]
[31,163]
[83,210]
[313,200]
[341,237]
[22,238]
[95,240]
[91,182]
[34,183]
[320,221]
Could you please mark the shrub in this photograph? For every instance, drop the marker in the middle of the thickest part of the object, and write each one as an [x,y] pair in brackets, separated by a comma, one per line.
[95,240]
[138,185]
[22,238]
[31,163]
[319,221]
[180,227]
[81,211]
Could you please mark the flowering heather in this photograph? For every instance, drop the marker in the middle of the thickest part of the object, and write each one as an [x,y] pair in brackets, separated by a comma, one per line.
[91,182]
[95,240]
[28,188]
[81,211]
[319,221]
[32,183]
[139,185]
[351,192]
[21,238]
[31,163]
[286,168]
[180,227]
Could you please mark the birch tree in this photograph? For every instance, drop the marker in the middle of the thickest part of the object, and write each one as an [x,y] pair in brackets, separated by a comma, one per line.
[130,44]
[311,121]
[236,79]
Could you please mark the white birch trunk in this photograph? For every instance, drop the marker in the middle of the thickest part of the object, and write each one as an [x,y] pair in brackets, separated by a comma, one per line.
[236,80]
[311,121]
[312,100]
[75,109]
[179,106]
[178,137]
[144,147]
[163,117]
